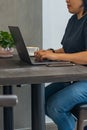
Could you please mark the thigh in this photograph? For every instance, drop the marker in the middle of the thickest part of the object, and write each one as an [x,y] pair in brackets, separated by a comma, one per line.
[70,96]
[55,87]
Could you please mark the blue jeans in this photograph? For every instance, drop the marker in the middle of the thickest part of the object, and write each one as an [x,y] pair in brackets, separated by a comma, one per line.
[60,98]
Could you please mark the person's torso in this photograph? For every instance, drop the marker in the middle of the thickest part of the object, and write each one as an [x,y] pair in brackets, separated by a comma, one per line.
[73,40]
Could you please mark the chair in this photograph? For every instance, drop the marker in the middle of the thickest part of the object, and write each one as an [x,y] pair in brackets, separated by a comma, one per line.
[82,116]
[8,100]
[81,113]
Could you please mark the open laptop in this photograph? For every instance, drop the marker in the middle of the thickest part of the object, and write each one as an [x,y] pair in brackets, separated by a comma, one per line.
[23,53]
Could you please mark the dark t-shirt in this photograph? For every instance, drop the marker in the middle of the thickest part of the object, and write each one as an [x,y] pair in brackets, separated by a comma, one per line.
[75,37]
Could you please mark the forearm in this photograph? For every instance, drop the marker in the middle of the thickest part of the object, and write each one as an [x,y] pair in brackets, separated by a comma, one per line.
[79,58]
[60,50]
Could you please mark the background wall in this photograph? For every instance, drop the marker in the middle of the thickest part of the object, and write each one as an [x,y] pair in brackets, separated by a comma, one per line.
[42,23]
[27,14]
[55,17]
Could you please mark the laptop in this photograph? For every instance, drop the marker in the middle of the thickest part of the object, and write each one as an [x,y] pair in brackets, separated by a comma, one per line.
[23,53]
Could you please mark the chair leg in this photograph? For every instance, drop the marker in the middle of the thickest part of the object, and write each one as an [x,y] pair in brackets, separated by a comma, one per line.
[80,125]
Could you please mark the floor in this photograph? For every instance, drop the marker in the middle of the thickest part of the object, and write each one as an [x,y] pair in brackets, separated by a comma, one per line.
[51,126]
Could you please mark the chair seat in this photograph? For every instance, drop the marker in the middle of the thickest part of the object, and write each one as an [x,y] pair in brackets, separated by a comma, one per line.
[80,112]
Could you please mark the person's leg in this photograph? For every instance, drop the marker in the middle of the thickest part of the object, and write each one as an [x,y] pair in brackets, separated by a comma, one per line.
[52,89]
[60,104]
[55,87]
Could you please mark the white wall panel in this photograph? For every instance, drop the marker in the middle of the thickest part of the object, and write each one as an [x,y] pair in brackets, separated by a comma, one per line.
[55,17]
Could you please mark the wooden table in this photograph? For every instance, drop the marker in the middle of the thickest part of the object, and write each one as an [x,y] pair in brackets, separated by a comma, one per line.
[13,71]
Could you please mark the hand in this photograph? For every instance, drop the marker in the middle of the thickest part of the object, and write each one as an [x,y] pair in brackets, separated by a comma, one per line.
[49,56]
[45,54]
[40,53]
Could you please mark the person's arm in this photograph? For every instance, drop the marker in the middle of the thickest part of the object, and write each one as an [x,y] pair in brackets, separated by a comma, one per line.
[79,58]
[50,50]
[60,50]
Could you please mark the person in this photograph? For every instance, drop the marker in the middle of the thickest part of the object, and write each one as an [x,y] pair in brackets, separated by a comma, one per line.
[62,97]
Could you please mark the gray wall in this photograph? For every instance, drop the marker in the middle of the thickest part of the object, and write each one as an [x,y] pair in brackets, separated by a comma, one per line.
[27,14]
[22,111]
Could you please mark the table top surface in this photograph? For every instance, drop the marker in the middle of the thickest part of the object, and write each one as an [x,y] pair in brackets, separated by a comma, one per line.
[13,71]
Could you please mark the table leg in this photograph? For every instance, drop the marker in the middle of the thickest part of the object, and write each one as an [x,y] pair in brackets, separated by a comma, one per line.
[7,111]
[38,110]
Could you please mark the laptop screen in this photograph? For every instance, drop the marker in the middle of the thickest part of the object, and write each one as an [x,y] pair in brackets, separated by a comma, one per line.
[19,43]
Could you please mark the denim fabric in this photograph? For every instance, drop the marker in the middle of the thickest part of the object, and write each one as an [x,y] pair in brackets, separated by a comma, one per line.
[60,98]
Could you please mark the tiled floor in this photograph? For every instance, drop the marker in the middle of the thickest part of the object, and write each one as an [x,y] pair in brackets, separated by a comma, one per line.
[51,126]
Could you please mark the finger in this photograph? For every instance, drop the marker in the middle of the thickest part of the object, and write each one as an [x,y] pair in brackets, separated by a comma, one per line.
[43,57]
[38,57]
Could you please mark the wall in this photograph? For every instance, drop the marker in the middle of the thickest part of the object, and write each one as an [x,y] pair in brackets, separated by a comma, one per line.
[27,14]
[55,17]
